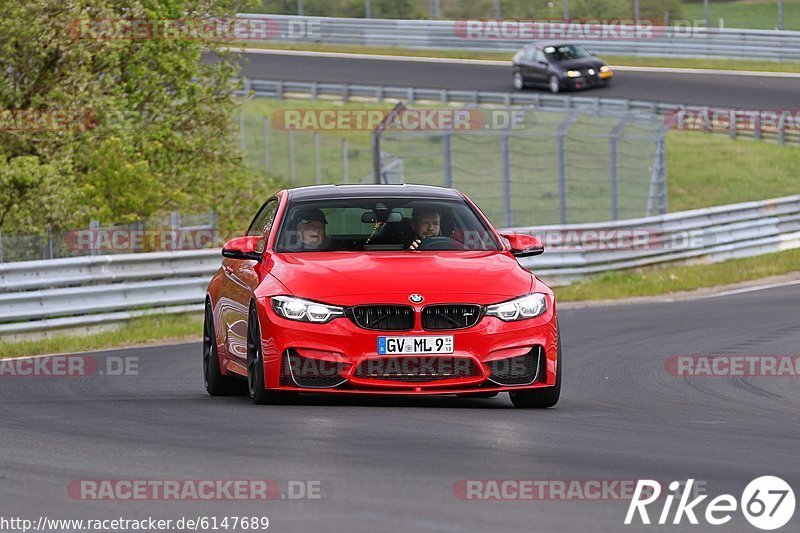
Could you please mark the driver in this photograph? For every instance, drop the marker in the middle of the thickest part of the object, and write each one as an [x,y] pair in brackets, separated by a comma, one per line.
[425,222]
[311,230]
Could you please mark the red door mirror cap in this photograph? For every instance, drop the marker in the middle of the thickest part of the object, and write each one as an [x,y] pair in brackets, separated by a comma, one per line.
[243,248]
[523,245]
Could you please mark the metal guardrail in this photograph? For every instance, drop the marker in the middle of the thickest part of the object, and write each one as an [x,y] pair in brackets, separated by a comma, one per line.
[703,235]
[40,296]
[510,35]
[679,116]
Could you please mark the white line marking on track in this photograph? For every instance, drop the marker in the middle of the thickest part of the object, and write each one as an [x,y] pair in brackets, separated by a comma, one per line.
[752,289]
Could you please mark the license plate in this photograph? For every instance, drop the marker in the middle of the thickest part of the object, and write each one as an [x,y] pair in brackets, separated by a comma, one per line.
[415,345]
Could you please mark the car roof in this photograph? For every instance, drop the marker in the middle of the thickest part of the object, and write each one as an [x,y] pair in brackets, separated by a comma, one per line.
[543,44]
[320,192]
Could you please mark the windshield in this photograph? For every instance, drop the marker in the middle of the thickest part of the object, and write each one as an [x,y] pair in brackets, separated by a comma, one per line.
[565,52]
[383,224]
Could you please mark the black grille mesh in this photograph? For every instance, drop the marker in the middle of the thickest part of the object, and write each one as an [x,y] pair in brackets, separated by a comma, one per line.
[457,316]
[384,317]
[310,372]
[519,370]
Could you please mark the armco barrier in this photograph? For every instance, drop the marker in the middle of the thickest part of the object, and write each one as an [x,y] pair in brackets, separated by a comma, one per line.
[646,40]
[39,296]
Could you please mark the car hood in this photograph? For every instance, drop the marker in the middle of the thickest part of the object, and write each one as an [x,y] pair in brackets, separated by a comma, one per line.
[347,278]
[582,62]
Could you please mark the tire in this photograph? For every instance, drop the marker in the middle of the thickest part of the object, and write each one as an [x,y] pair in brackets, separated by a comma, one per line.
[543,397]
[517,81]
[553,84]
[255,364]
[216,384]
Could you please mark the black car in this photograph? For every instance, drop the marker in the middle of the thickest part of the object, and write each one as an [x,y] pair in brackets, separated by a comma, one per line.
[559,66]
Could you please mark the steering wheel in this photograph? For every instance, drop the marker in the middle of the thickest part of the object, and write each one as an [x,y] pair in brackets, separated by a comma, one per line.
[440,243]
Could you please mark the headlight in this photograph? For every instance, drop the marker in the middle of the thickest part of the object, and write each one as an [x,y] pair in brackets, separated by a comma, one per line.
[303,310]
[521,308]
[605,68]
[573,73]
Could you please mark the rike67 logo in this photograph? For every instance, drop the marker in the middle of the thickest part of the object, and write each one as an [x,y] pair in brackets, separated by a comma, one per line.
[767,503]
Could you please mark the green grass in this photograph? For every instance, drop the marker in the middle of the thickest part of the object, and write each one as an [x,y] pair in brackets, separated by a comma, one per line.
[707,169]
[747,14]
[136,332]
[632,61]
[656,281]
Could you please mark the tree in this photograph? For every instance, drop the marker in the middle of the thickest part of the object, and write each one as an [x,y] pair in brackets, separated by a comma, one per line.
[145,123]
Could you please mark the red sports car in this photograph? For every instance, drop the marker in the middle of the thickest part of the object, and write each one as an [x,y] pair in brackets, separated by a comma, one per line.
[380,289]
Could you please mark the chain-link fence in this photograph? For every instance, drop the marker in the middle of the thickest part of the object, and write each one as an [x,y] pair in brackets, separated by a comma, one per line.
[160,233]
[545,167]
[302,157]
[522,165]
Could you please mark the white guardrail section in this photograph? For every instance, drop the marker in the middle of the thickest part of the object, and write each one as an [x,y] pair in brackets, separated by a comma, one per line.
[676,116]
[508,36]
[38,296]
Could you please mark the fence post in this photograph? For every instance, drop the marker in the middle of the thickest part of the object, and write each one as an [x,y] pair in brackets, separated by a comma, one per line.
[94,232]
[663,199]
[376,156]
[658,182]
[318,157]
[562,165]
[175,225]
[49,243]
[757,132]
[346,160]
[292,169]
[506,155]
[266,145]
[613,168]
[212,222]
[447,154]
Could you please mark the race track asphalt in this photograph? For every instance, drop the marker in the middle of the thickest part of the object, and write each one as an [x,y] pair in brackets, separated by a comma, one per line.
[391,464]
[721,90]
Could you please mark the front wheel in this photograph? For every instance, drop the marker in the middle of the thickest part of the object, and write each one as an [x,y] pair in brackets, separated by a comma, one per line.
[543,397]
[216,384]
[255,364]
[554,84]
[517,81]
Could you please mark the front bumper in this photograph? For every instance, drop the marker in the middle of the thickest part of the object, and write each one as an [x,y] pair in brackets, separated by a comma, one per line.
[341,358]
[586,81]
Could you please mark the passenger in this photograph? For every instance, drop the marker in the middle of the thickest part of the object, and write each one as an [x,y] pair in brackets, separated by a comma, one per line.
[311,231]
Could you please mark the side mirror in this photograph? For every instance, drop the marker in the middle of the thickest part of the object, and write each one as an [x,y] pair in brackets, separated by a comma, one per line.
[524,245]
[242,248]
